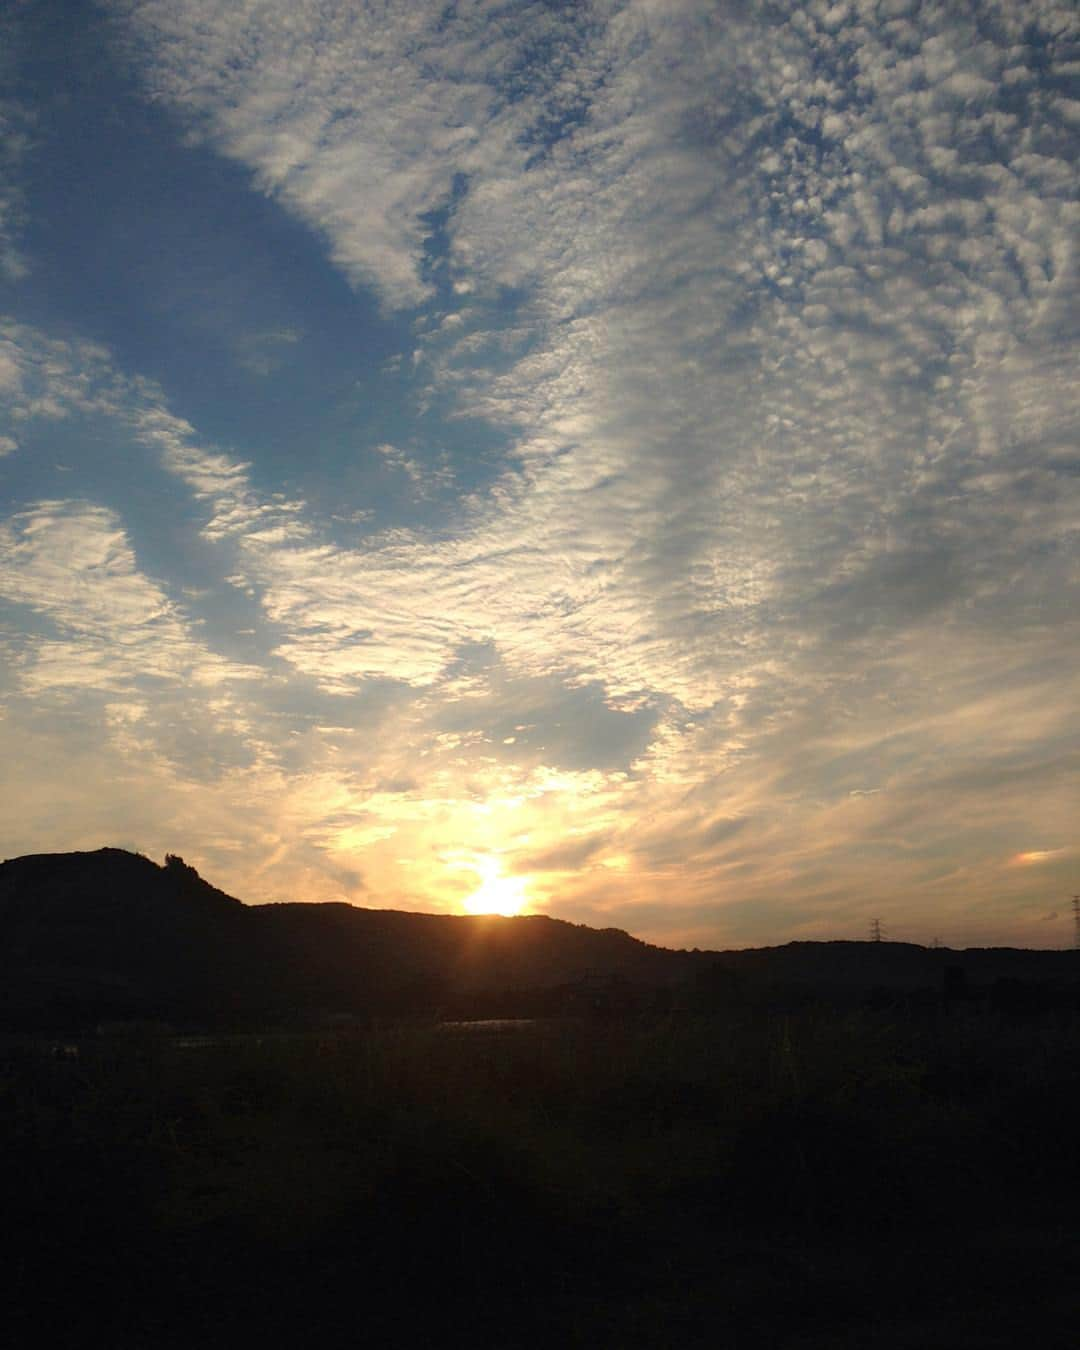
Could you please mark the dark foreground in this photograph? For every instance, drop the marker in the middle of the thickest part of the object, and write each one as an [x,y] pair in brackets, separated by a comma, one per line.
[820,1179]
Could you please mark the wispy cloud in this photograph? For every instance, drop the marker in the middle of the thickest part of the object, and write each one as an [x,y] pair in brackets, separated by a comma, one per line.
[108,624]
[42,376]
[775,312]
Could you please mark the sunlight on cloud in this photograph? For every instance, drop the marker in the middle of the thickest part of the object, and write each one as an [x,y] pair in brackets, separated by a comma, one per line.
[1035,856]
[71,563]
[776,579]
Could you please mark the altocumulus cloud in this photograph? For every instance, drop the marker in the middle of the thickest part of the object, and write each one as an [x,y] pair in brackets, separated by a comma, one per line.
[764,616]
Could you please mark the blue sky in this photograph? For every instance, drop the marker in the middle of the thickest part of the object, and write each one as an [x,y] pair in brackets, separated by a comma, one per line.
[617,459]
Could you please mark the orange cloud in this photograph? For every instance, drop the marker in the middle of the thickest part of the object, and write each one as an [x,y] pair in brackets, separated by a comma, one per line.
[1034,856]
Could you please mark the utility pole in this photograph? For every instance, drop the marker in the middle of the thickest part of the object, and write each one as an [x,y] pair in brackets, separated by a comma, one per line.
[876,934]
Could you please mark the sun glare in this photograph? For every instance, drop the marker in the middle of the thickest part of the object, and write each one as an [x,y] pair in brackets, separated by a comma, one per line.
[496,894]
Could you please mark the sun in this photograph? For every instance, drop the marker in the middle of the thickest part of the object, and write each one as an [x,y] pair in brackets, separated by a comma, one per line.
[496,894]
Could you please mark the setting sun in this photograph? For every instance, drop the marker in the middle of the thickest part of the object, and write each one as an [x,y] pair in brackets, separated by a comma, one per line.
[496,894]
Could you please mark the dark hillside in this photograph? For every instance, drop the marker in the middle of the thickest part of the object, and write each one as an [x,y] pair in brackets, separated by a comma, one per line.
[342,956]
[110,935]
[856,966]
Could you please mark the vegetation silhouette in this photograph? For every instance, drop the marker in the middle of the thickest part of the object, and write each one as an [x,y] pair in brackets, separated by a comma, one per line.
[765,1149]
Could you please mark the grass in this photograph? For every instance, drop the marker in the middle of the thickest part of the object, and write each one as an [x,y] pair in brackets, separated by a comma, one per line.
[823,1178]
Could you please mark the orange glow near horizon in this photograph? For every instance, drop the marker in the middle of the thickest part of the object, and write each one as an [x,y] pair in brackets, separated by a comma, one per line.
[496,894]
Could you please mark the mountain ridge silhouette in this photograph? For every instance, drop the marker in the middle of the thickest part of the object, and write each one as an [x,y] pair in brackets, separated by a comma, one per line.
[109,934]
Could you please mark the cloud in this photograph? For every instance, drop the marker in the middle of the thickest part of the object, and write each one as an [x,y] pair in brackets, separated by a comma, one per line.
[50,378]
[774,591]
[356,119]
[265,352]
[791,419]
[569,856]
[108,624]
[423,479]
[1033,857]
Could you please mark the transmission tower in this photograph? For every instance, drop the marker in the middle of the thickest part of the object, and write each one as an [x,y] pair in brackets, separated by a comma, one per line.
[1076,921]
[876,934]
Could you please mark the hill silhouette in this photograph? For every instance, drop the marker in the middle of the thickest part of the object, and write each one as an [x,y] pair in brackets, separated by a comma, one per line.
[111,935]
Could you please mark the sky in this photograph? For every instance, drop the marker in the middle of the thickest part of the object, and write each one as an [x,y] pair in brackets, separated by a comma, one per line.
[615,459]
